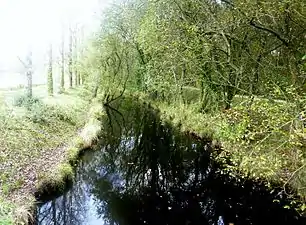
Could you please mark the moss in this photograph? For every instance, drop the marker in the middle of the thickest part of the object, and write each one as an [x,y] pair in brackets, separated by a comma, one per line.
[66,171]
[73,153]
[50,182]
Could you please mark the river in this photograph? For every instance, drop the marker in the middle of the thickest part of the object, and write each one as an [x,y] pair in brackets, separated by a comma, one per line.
[144,171]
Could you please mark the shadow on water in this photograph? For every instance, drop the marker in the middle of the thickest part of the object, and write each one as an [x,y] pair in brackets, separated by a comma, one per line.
[145,172]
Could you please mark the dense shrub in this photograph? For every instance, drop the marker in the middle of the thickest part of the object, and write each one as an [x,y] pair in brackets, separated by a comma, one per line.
[38,112]
[26,101]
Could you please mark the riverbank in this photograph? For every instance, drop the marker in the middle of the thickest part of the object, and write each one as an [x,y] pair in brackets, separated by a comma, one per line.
[265,140]
[141,163]
[56,138]
[40,141]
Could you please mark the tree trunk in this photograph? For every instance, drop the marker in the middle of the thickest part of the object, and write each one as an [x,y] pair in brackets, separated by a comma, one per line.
[76,78]
[70,59]
[29,76]
[76,74]
[50,73]
[95,92]
[230,90]
[79,78]
[97,84]
[62,82]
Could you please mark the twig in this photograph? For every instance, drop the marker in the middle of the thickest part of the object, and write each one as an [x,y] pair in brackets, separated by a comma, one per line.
[292,175]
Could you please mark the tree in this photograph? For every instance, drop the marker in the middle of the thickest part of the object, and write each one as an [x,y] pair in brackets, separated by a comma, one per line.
[29,75]
[70,60]
[62,78]
[76,56]
[50,71]
[224,48]
[28,65]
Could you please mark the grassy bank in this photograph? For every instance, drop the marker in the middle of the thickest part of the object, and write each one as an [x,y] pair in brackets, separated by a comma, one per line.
[265,140]
[40,138]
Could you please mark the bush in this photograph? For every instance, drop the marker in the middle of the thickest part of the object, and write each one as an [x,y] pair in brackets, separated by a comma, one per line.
[26,101]
[38,112]
[41,113]
[63,114]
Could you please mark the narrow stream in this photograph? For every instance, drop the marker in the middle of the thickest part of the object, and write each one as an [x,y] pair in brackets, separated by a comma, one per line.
[145,172]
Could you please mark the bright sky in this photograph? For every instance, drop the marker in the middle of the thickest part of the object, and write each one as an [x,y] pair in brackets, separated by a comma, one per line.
[26,24]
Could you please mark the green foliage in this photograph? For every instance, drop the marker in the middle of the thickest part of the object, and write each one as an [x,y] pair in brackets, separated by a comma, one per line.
[222,49]
[38,112]
[66,171]
[233,70]
[6,216]
[73,153]
[26,101]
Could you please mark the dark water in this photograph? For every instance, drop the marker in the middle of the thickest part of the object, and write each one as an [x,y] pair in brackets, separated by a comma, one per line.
[144,172]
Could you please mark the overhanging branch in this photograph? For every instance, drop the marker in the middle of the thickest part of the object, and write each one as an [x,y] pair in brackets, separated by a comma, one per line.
[278,36]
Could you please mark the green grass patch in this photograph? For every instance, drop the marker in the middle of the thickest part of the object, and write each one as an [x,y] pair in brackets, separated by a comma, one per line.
[56,182]
[6,212]
[33,127]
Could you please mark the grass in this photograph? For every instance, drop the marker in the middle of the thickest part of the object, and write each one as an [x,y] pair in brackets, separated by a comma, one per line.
[6,216]
[85,139]
[33,135]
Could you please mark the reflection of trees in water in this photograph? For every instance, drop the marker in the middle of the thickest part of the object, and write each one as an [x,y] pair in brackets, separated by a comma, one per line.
[146,175]
[151,176]
[70,208]
[157,171]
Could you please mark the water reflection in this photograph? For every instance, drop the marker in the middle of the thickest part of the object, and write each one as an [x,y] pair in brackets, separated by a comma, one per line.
[148,173]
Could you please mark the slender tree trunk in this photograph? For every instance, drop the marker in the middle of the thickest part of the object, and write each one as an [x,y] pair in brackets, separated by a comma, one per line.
[182,84]
[76,57]
[97,84]
[50,73]
[76,79]
[230,89]
[95,92]
[76,74]
[62,82]
[29,75]
[79,78]
[70,59]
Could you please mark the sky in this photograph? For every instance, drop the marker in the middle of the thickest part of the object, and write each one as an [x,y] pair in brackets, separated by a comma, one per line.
[33,24]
